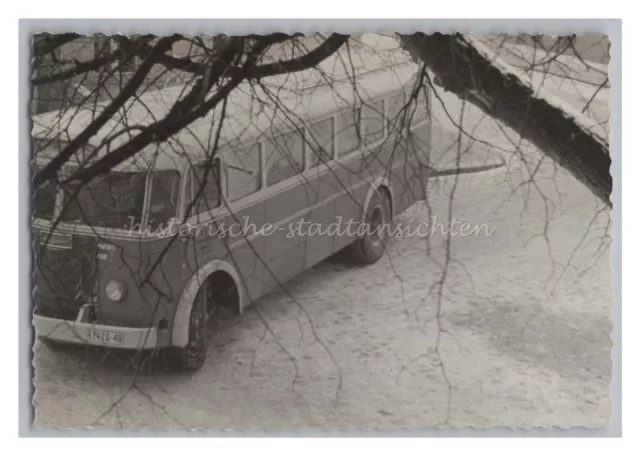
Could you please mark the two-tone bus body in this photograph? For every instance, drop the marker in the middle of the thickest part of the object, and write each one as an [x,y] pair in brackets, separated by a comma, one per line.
[109,274]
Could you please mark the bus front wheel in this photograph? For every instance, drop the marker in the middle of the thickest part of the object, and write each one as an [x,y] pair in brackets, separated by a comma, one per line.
[192,356]
[371,246]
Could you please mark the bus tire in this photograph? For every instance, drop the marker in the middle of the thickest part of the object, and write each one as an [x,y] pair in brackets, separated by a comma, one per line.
[193,355]
[369,248]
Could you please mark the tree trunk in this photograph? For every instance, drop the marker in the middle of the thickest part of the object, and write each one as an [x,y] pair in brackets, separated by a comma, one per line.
[555,128]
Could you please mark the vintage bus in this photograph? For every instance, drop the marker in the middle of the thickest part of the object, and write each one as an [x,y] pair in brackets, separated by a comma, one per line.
[114,265]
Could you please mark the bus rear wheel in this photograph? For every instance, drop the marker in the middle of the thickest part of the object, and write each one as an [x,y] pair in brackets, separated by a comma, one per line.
[192,356]
[371,246]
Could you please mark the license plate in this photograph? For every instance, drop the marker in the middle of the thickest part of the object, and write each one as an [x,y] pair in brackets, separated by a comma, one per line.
[106,337]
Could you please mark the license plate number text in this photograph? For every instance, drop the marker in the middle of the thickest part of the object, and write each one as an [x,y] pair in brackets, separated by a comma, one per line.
[106,337]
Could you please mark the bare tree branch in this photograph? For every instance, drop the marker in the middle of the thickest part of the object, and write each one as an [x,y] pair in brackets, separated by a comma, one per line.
[51,169]
[473,77]
[79,68]
[193,105]
[311,59]
[123,53]
[167,127]
[48,43]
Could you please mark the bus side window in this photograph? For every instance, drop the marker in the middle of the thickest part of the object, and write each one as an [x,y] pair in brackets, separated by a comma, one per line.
[163,202]
[320,142]
[284,156]
[373,121]
[347,131]
[396,113]
[208,198]
[243,170]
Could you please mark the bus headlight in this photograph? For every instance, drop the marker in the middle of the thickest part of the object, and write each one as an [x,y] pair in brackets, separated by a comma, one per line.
[115,290]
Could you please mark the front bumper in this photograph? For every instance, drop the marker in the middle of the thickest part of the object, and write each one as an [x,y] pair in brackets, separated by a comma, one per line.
[76,332]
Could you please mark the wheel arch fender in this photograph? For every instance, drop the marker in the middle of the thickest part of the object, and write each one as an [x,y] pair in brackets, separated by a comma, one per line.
[180,327]
[381,181]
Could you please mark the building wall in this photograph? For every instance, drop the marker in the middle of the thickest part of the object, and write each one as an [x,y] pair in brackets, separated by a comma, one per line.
[55,96]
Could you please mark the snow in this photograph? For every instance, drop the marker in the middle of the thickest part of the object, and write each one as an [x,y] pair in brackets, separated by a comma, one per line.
[515,354]
[540,92]
[481,127]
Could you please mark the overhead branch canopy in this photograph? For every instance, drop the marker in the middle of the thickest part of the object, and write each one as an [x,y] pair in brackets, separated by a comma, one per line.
[233,60]
[463,66]
[564,134]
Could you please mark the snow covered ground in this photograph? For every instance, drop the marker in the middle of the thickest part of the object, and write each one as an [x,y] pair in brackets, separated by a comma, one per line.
[357,350]
[523,326]
[581,85]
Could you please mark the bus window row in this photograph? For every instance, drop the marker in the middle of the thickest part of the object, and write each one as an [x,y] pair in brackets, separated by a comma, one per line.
[288,154]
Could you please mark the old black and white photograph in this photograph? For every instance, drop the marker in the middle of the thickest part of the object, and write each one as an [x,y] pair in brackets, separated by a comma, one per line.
[284,231]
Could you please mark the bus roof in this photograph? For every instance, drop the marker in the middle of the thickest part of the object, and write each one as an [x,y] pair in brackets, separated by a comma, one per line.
[251,112]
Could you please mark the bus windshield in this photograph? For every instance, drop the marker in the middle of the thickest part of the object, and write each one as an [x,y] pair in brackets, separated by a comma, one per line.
[113,200]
